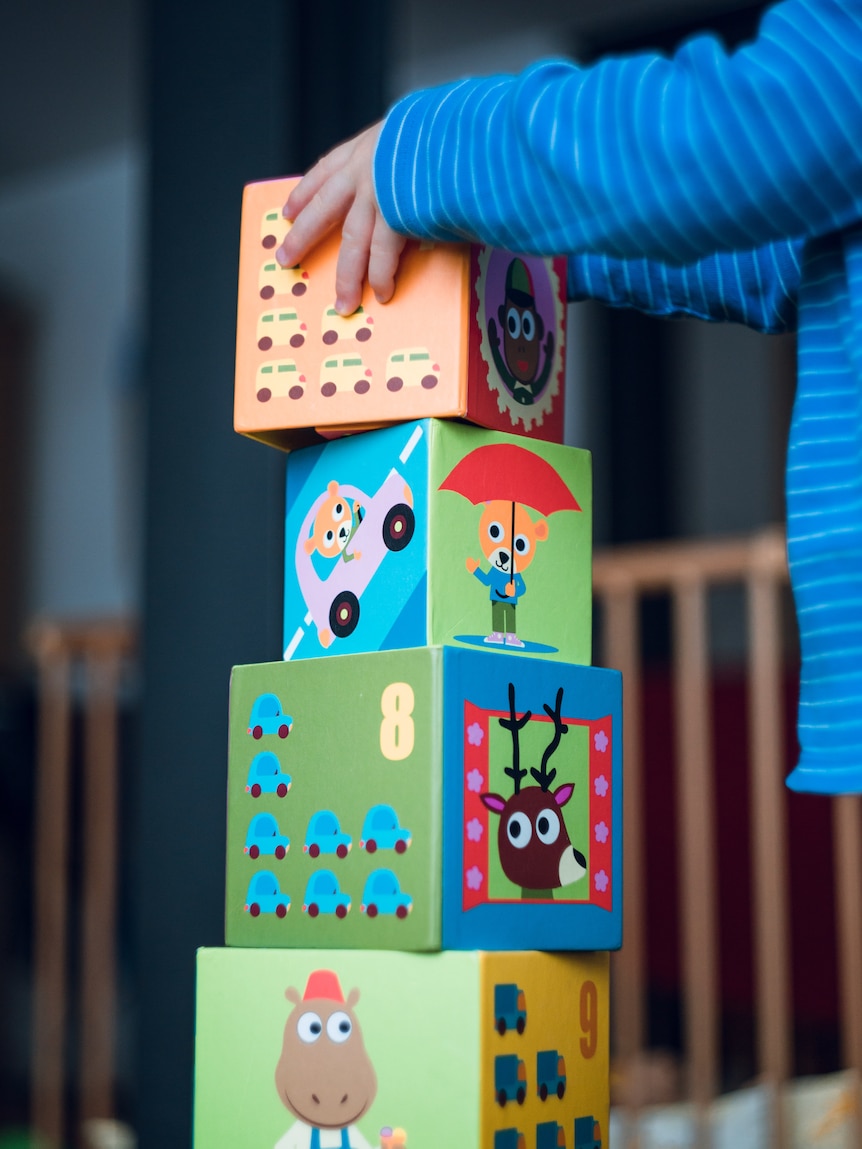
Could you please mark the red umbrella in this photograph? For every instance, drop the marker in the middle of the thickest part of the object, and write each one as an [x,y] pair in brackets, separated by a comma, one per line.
[514,474]
[505,471]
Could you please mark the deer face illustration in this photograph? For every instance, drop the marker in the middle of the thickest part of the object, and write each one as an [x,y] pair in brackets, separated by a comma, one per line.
[535,850]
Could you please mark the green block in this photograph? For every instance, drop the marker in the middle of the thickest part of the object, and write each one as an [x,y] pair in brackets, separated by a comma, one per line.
[372,803]
[338,772]
[402,537]
[404,1051]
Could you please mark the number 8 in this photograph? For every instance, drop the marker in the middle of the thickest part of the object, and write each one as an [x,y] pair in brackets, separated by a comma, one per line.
[396,729]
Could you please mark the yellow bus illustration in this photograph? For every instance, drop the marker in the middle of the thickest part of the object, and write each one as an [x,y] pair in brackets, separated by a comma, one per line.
[411,367]
[356,326]
[344,373]
[280,328]
[279,379]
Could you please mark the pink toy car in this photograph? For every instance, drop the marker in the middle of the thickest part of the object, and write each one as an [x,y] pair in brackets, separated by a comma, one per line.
[384,522]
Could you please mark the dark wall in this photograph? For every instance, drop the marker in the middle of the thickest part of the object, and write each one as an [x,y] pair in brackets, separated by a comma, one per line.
[237,92]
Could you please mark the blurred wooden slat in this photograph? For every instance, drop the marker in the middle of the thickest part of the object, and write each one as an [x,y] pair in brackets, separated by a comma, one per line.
[51,840]
[847,830]
[696,834]
[655,566]
[98,935]
[769,839]
[96,650]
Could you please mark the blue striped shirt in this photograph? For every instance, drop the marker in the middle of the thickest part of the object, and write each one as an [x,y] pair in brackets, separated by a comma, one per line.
[723,185]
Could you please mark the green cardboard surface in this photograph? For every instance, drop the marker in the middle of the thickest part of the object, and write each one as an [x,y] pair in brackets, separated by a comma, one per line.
[554,614]
[370,799]
[419,1020]
[455,493]
[377,722]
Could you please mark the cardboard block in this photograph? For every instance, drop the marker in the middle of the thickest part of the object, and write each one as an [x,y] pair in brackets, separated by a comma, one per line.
[472,332]
[402,537]
[403,1051]
[425,799]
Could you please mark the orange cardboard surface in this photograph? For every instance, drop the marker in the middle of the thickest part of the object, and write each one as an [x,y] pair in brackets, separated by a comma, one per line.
[472,332]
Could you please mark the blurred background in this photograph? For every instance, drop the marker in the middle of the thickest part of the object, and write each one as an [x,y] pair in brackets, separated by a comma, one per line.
[128,131]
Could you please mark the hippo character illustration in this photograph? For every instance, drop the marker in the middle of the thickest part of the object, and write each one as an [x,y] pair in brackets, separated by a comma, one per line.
[324,1075]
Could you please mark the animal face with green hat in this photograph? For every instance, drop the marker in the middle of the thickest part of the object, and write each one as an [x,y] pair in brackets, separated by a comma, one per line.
[507,480]
[521,366]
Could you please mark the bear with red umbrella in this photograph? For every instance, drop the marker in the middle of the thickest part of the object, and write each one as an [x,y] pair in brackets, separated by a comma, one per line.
[510,481]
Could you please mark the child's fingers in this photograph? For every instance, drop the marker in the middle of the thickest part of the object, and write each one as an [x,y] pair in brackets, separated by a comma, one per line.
[358,151]
[326,209]
[313,181]
[340,188]
[383,258]
[303,193]
[352,266]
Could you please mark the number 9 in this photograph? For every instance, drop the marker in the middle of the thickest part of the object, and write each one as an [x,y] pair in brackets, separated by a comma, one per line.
[589,1018]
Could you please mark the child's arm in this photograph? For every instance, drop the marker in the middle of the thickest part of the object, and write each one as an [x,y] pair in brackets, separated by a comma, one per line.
[758,288]
[641,156]
[673,159]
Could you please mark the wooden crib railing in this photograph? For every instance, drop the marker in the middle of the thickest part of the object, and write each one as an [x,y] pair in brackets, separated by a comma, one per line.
[80,667]
[96,654]
[686,572]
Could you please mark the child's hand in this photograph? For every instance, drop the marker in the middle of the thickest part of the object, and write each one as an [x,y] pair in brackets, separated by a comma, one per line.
[339,189]
[472,564]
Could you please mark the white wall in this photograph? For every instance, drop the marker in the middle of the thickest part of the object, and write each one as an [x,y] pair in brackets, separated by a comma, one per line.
[70,243]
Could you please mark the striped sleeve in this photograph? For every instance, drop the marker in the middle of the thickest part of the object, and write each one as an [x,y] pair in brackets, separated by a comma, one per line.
[758,288]
[642,156]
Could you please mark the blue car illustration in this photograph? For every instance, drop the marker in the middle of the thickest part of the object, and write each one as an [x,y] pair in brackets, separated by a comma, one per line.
[382,895]
[265,897]
[325,837]
[550,1073]
[509,1139]
[263,837]
[588,1133]
[381,831]
[265,776]
[550,1135]
[267,717]
[323,896]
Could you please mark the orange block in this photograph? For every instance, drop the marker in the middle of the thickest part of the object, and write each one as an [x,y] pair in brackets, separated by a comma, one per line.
[473,332]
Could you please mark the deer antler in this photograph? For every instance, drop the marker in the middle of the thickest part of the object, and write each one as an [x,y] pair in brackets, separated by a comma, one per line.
[544,776]
[514,724]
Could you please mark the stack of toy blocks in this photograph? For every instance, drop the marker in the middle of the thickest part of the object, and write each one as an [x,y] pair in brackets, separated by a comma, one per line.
[424,845]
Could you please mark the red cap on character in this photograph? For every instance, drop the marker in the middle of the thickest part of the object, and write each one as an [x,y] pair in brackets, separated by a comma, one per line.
[323,983]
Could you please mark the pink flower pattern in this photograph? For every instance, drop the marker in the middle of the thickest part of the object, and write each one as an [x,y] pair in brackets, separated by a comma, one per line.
[601,785]
[474,830]
[475,781]
[475,878]
[475,734]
